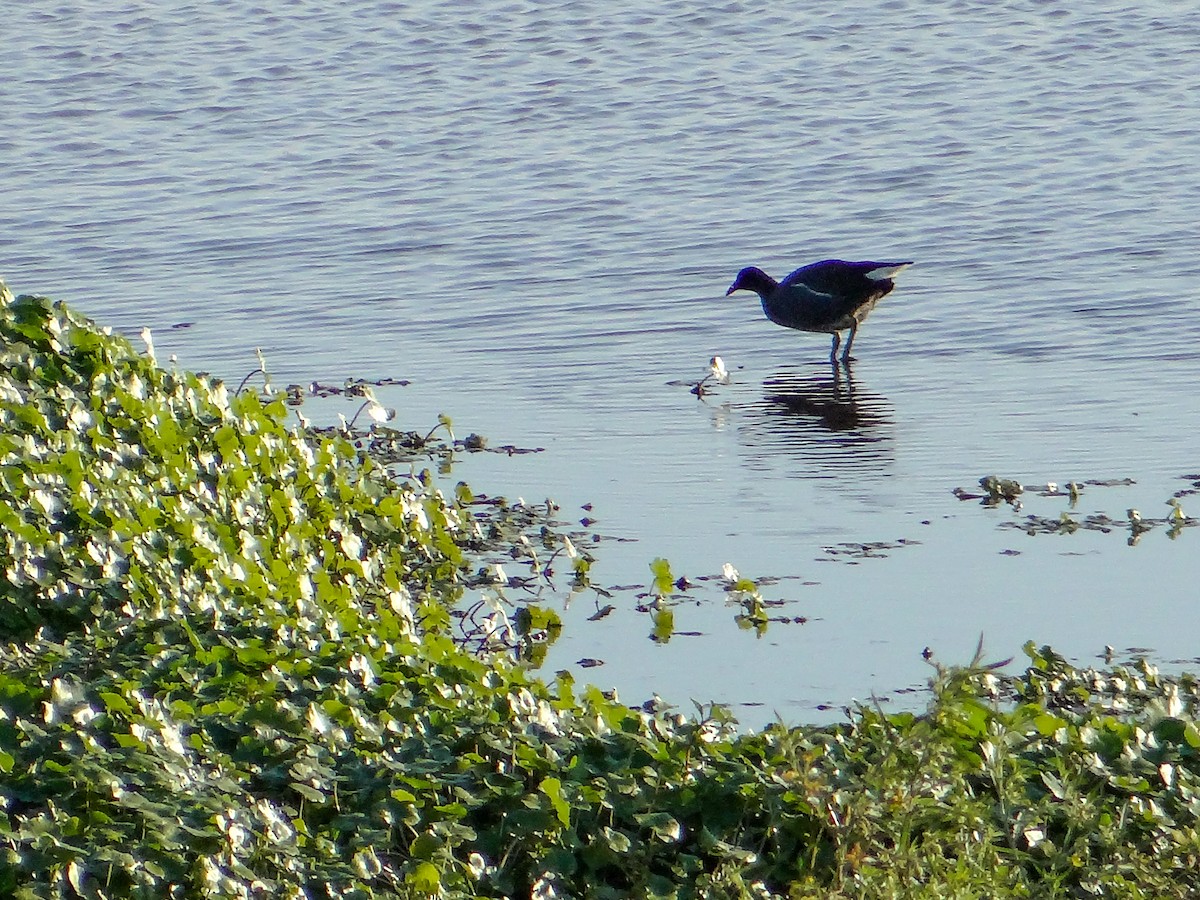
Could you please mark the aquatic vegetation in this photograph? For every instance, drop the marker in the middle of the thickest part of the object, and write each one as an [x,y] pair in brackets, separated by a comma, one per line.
[853,553]
[1134,525]
[1000,489]
[714,374]
[230,667]
[717,374]
[745,593]
[1059,782]
[666,592]
[192,589]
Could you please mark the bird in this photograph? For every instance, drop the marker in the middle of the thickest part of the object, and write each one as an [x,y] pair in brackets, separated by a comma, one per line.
[828,296]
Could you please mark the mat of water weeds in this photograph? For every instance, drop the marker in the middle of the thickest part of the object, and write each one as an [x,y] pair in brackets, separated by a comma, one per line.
[231,667]
[995,492]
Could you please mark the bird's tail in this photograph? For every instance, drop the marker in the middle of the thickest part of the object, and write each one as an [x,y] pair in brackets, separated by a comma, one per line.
[888,270]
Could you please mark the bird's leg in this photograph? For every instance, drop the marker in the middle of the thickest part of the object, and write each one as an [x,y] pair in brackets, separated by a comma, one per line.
[836,368]
[837,339]
[849,341]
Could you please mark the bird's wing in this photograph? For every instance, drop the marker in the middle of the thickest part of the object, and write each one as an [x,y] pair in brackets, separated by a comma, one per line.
[838,277]
[813,279]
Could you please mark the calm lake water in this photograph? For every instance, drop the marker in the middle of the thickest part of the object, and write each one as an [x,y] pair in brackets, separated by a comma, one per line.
[532,211]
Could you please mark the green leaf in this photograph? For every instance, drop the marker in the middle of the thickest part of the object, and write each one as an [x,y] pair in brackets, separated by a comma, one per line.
[128,741]
[660,569]
[425,846]
[1054,785]
[617,841]
[552,788]
[226,439]
[664,625]
[115,703]
[662,826]
[425,879]
[308,792]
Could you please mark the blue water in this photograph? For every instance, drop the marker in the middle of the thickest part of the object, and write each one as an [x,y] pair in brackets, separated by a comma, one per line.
[532,211]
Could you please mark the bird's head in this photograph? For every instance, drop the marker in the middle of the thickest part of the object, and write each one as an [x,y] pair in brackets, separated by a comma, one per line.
[754,279]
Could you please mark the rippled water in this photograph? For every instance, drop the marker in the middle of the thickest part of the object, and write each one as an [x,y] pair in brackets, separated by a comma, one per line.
[532,211]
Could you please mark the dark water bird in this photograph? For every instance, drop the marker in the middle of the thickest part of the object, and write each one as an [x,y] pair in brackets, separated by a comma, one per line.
[828,296]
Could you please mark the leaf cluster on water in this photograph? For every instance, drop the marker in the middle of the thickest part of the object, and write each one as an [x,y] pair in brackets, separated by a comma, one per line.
[998,491]
[229,670]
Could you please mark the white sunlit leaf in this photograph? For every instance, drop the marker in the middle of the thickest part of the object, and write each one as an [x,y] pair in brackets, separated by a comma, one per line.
[380,413]
[716,366]
[477,865]
[75,874]
[367,863]
[318,721]
[543,888]
[149,341]
[1174,705]
[352,545]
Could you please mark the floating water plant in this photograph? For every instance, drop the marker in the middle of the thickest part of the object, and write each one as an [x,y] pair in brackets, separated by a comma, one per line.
[996,491]
[853,553]
[1134,525]
[716,374]
[745,593]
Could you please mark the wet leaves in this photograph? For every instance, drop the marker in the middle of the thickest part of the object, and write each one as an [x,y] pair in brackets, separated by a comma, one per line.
[668,592]
[1133,524]
[249,602]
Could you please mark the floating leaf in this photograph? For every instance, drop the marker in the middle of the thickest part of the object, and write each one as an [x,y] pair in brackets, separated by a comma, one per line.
[660,569]
[664,625]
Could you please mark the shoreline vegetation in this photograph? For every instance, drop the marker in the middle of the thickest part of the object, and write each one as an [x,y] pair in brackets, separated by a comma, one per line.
[230,666]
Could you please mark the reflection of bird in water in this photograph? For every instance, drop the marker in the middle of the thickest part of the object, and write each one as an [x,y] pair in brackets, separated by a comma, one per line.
[824,419]
[832,402]
[828,296]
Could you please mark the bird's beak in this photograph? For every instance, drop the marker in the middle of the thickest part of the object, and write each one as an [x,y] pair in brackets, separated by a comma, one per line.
[733,287]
